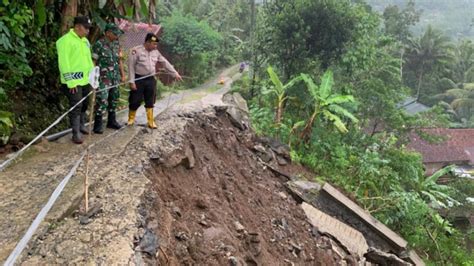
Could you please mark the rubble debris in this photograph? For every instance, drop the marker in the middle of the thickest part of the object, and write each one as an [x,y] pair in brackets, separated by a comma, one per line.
[239,227]
[383,258]
[149,243]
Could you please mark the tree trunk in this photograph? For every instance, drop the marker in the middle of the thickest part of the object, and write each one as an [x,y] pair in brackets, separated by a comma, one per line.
[279,112]
[401,64]
[151,11]
[69,11]
[306,133]
[420,79]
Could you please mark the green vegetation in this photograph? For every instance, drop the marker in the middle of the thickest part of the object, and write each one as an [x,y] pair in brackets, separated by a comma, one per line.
[192,44]
[348,127]
[28,67]
[6,125]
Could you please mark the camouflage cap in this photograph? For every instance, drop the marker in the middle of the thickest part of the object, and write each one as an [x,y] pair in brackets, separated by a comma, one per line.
[113,28]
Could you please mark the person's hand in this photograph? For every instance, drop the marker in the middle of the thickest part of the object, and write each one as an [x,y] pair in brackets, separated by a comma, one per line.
[133,86]
[123,79]
[178,77]
[73,90]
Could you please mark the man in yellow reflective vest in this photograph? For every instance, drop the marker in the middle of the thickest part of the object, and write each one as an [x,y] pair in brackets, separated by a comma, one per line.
[75,64]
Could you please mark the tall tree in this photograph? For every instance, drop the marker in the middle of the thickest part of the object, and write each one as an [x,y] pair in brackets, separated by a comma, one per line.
[460,99]
[398,22]
[427,52]
[463,64]
[296,34]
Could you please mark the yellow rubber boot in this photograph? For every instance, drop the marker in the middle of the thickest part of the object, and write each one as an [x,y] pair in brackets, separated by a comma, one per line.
[150,118]
[131,117]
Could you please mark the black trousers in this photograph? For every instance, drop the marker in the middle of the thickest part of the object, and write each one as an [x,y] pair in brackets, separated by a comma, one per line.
[146,90]
[81,92]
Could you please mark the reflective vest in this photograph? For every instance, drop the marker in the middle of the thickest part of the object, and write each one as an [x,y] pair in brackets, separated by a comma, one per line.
[74,59]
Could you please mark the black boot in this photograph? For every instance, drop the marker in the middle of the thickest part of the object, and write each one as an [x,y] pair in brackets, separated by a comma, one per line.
[112,122]
[98,127]
[84,129]
[76,132]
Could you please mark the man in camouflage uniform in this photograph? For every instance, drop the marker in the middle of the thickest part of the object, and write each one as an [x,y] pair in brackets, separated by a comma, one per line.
[107,55]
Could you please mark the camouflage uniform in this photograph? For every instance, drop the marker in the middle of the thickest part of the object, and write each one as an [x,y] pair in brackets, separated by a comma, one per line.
[107,54]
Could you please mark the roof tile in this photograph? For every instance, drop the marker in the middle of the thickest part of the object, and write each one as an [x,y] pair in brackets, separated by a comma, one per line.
[457,148]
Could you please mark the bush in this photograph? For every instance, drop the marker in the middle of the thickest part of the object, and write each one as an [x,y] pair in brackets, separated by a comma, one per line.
[192,45]
[6,126]
[387,180]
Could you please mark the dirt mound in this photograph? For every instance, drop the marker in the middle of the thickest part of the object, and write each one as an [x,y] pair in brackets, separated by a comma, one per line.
[213,201]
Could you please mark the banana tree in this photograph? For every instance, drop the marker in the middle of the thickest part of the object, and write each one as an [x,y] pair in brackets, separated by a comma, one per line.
[433,193]
[327,104]
[279,90]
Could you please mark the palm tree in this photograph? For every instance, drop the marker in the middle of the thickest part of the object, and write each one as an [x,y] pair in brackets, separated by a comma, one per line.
[426,52]
[463,63]
[460,98]
[458,92]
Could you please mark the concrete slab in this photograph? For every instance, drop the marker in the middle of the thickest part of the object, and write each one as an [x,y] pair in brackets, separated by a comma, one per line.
[379,227]
[322,196]
[415,259]
[352,239]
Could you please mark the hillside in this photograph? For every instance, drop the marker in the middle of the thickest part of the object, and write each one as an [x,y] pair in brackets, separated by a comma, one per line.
[454,18]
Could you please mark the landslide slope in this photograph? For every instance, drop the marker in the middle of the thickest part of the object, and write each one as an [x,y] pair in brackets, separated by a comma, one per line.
[194,191]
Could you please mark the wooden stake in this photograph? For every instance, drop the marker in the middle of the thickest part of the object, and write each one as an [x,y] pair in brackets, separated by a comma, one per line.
[86,184]
[86,177]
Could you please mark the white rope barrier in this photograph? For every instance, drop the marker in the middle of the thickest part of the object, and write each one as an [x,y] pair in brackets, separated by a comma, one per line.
[7,162]
[44,211]
[42,214]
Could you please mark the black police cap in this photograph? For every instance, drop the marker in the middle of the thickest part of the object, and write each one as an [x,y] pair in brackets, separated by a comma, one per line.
[83,20]
[150,37]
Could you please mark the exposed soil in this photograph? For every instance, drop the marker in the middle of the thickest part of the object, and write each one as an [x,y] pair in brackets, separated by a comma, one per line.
[217,204]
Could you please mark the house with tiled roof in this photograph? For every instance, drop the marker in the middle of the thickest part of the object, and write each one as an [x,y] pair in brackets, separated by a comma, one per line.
[455,147]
